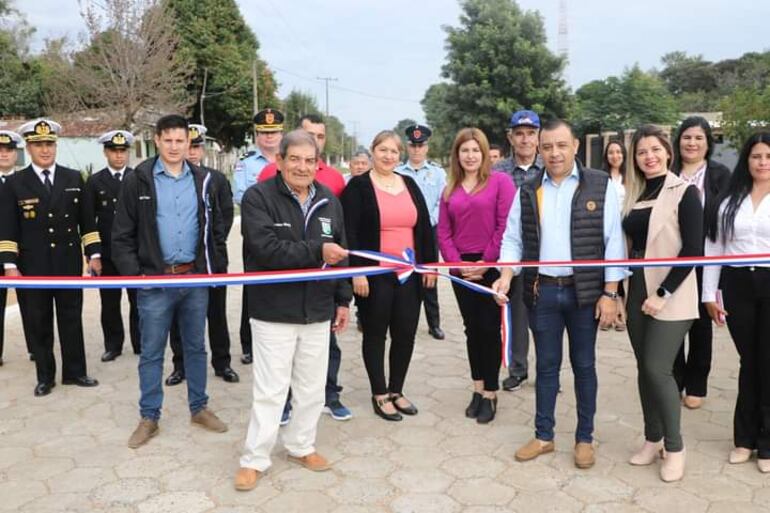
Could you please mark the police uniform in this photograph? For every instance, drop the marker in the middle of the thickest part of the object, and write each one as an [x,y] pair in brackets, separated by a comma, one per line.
[219,333]
[45,221]
[431,179]
[246,174]
[10,140]
[103,189]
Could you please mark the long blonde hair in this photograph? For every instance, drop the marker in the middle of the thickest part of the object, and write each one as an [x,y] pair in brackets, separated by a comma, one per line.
[635,181]
[456,171]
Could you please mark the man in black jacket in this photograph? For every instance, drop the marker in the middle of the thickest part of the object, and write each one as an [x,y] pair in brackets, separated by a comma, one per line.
[291,222]
[168,223]
[102,189]
[46,219]
[219,333]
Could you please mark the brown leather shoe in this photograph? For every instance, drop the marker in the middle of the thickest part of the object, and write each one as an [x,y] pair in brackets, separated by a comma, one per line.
[246,479]
[313,461]
[146,429]
[533,449]
[208,420]
[584,455]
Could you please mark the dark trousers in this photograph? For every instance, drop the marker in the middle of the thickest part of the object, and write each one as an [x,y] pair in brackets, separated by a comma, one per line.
[40,313]
[520,319]
[430,298]
[556,309]
[390,307]
[24,320]
[219,333]
[692,372]
[481,318]
[3,298]
[655,345]
[333,388]
[112,320]
[747,300]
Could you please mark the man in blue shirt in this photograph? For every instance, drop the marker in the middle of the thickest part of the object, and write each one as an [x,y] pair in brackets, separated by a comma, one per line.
[168,222]
[566,212]
[268,125]
[431,179]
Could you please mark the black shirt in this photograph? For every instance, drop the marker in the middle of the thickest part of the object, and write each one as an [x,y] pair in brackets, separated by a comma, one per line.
[637,224]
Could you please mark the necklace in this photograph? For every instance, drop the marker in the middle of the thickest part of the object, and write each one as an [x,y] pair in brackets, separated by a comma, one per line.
[382,183]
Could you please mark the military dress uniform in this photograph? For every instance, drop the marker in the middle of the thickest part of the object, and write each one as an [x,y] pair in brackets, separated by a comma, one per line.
[103,189]
[431,179]
[246,174]
[218,330]
[45,222]
[12,141]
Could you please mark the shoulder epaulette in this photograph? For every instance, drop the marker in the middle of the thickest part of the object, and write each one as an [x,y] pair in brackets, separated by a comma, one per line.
[248,154]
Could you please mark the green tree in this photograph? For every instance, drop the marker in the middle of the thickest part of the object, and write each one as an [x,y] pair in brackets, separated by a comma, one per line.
[744,112]
[20,74]
[402,125]
[497,62]
[214,35]
[618,103]
[296,105]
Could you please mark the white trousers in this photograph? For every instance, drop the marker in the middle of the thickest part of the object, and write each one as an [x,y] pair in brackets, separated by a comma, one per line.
[286,355]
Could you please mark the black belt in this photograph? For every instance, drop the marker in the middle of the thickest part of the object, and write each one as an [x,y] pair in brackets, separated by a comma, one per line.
[561,281]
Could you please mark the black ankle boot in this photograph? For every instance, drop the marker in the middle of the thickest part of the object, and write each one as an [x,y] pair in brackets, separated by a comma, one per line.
[487,410]
[472,411]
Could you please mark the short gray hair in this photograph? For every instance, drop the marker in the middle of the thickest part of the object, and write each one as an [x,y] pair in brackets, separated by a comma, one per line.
[297,138]
[361,152]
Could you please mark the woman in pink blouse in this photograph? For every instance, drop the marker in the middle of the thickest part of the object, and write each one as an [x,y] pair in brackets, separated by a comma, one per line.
[472,217]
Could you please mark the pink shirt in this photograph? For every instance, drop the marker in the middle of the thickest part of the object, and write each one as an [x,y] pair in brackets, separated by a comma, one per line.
[475,223]
[325,175]
[398,217]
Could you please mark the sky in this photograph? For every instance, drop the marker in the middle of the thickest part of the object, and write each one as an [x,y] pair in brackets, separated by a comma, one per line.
[384,55]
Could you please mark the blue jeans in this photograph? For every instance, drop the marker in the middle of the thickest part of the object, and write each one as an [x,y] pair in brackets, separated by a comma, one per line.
[335,358]
[555,309]
[157,308]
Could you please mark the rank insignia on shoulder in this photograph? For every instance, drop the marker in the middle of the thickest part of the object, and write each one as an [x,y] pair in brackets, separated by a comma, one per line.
[248,154]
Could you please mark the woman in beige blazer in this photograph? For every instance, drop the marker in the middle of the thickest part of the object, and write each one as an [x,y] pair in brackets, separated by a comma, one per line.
[663,218]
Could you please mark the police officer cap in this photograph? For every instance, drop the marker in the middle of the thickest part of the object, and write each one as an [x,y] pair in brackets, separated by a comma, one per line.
[40,130]
[10,139]
[268,120]
[417,134]
[117,139]
[197,134]
[524,118]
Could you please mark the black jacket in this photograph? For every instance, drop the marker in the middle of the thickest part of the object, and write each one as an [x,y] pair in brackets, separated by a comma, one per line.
[277,235]
[224,194]
[715,181]
[102,191]
[362,220]
[135,240]
[42,232]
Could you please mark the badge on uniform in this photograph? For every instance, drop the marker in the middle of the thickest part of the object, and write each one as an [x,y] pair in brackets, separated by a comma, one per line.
[104,203]
[591,206]
[326,226]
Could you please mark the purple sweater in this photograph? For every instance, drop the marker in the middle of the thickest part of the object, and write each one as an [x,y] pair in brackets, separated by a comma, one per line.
[475,223]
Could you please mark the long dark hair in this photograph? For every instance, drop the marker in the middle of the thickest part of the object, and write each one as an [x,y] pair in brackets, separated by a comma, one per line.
[606,163]
[688,123]
[737,190]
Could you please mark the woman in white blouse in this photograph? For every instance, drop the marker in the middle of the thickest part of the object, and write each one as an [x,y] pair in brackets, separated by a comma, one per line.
[742,227]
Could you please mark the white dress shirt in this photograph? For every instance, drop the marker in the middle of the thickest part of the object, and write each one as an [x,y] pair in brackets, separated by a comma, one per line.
[751,237]
[39,172]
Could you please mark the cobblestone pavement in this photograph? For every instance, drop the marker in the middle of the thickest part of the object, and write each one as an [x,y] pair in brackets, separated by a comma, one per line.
[67,451]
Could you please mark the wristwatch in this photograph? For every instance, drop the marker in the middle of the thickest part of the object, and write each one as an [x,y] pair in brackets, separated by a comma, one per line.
[662,292]
[611,295]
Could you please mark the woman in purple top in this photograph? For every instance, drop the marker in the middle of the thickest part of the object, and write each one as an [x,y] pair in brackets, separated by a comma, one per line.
[472,216]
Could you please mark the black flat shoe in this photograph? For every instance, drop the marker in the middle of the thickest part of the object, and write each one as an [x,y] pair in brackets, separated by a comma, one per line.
[247,359]
[487,410]
[472,411]
[175,378]
[228,375]
[109,356]
[409,410]
[31,357]
[377,405]
[43,389]
[437,333]
[82,381]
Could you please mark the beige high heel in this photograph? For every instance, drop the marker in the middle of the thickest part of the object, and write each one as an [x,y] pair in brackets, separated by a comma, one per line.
[647,454]
[739,455]
[672,468]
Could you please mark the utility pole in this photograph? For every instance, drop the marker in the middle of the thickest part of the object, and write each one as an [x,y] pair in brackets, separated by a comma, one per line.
[255,92]
[327,80]
[203,95]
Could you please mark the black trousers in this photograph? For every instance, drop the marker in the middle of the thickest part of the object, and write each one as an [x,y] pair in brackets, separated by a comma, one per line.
[481,318]
[219,333]
[3,298]
[430,298]
[747,300]
[245,326]
[69,320]
[112,320]
[390,307]
[692,372]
